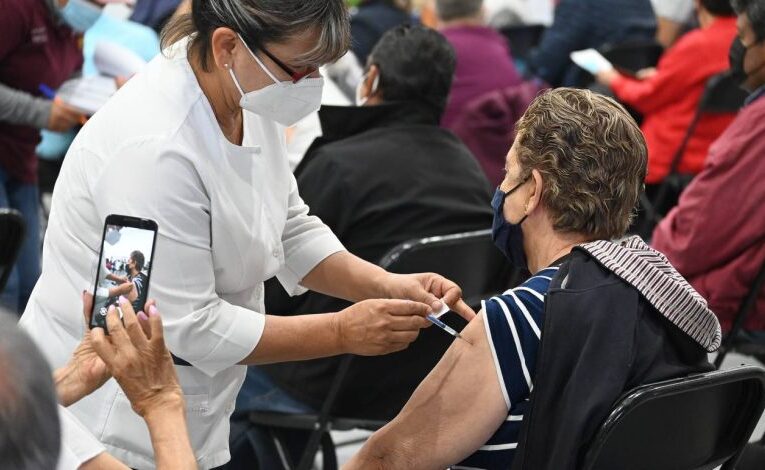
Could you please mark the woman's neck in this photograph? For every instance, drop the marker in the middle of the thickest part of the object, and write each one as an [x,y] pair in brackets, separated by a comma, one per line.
[544,250]
[226,109]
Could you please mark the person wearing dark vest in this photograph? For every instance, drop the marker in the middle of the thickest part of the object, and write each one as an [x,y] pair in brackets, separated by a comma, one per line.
[40,46]
[381,174]
[544,362]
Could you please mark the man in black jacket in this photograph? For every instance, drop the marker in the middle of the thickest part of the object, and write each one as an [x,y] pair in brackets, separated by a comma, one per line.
[381,174]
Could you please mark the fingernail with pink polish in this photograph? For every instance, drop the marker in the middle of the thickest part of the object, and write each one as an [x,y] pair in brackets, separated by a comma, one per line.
[153,311]
[122,299]
[142,316]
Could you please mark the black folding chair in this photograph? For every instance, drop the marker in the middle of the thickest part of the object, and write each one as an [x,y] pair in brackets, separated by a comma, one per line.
[721,95]
[11,238]
[470,259]
[737,339]
[699,422]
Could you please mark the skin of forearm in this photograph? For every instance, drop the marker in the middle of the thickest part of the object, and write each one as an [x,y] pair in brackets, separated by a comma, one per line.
[172,448]
[318,336]
[123,289]
[68,386]
[348,277]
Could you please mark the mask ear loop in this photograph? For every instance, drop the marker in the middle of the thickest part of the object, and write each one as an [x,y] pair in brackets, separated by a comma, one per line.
[261,64]
[375,85]
[236,82]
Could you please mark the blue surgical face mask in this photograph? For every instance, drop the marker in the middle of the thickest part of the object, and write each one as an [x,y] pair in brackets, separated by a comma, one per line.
[508,237]
[80,15]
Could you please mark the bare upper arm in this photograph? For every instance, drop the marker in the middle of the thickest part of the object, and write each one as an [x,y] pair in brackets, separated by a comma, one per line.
[453,412]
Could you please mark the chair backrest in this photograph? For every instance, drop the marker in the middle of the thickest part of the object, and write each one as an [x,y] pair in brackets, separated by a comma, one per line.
[11,238]
[697,422]
[470,259]
[631,56]
[522,39]
[722,95]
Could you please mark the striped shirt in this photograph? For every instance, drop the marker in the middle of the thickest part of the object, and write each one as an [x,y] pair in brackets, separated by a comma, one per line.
[513,328]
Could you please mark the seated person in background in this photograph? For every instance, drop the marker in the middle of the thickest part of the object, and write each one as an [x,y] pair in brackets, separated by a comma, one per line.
[673,17]
[34,434]
[582,24]
[668,96]
[716,234]
[133,286]
[372,19]
[484,63]
[608,311]
[382,174]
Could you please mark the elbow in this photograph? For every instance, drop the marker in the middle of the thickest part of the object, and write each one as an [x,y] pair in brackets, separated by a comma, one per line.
[378,454]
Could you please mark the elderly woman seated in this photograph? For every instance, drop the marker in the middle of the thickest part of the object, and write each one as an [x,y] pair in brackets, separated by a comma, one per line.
[612,315]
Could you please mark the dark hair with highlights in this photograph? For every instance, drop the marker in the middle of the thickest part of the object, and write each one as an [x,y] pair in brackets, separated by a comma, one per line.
[265,21]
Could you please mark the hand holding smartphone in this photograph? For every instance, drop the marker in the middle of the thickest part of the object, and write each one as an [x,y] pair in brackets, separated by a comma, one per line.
[124,265]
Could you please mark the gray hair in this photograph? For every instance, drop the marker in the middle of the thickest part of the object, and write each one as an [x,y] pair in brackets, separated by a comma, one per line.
[30,435]
[755,12]
[592,157]
[448,10]
[265,21]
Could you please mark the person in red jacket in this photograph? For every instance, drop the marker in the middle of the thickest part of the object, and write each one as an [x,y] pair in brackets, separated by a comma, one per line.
[715,237]
[668,96]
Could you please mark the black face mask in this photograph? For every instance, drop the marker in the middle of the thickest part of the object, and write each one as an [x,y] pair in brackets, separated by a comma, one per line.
[736,57]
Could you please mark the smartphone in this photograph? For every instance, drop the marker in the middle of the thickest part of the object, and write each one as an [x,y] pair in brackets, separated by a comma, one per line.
[124,265]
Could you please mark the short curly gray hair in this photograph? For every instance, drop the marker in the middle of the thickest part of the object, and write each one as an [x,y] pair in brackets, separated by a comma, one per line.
[592,157]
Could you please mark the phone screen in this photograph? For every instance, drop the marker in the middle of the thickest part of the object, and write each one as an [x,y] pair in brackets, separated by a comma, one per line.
[124,267]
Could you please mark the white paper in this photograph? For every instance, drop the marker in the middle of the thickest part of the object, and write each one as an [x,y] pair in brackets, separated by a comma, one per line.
[591,61]
[87,94]
[116,61]
[444,309]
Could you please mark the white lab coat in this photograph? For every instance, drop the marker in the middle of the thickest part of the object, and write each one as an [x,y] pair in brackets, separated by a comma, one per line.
[229,218]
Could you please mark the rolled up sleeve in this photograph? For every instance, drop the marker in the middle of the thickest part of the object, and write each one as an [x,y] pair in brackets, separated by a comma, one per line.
[200,327]
[307,241]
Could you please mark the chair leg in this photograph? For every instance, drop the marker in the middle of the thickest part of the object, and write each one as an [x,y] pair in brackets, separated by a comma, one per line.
[328,452]
[306,461]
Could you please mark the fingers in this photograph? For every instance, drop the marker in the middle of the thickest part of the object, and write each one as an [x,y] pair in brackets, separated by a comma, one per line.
[87,307]
[133,328]
[155,322]
[403,337]
[406,307]
[114,325]
[463,310]
[103,346]
[408,323]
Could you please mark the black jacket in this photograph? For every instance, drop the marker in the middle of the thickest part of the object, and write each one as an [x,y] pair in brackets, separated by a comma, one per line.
[601,338]
[379,176]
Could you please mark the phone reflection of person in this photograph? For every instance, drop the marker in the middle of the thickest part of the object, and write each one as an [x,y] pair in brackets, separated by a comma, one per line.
[135,285]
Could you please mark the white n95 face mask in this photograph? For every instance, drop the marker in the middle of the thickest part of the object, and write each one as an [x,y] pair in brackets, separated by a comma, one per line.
[283,102]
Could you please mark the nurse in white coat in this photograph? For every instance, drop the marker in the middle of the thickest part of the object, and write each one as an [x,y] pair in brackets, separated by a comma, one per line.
[196,143]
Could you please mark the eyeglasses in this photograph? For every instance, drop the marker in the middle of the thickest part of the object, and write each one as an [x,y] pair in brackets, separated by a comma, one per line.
[296,76]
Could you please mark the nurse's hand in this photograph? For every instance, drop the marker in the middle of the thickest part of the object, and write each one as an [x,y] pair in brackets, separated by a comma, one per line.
[85,372]
[138,359]
[380,326]
[428,288]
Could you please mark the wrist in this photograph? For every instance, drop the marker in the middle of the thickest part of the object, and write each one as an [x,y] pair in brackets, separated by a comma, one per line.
[383,283]
[336,326]
[161,405]
[68,388]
